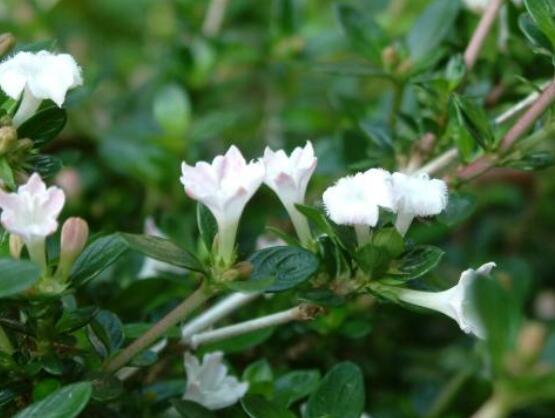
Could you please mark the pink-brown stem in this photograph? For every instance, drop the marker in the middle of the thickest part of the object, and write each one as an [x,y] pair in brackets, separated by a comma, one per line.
[479,36]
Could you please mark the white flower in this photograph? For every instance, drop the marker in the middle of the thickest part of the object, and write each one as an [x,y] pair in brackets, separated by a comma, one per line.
[152,267]
[209,383]
[417,195]
[355,200]
[479,6]
[32,214]
[288,177]
[455,302]
[224,186]
[36,77]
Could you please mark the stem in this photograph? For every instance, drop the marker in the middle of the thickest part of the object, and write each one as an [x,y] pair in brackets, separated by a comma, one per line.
[398,90]
[480,34]
[484,163]
[5,344]
[214,17]
[220,310]
[439,162]
[301,312]
[197,298]
[27,108]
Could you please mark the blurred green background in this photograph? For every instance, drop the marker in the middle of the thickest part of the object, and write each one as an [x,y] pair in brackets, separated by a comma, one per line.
[165,84]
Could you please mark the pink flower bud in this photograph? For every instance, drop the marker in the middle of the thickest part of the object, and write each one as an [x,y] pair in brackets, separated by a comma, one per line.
[16,245]
[75,233]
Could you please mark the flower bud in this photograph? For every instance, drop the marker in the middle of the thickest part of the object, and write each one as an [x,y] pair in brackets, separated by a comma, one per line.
[8,137]
[16,245]
[531,340]
[7,41]
[75,233]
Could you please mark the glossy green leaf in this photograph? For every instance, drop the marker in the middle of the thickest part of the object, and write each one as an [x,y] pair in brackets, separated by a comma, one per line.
[163,249]
[415,263]
[67,402]
[473,117]
[543,13]
[207,225]
[17,276]
[106,333]
[340,394]
[98,256]
[295,386]
[535,36]
[188,409]
[44,125]
[431,28]
[290,266]
[259,407]
[46,165]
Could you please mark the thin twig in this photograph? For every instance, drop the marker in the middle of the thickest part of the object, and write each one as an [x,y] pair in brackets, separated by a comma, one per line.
[197,298]
[301,312]
[214,17]
[480,34]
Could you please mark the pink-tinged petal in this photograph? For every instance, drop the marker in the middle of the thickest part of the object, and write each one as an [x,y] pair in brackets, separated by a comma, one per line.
[55,201]
[34,185]
[9,201]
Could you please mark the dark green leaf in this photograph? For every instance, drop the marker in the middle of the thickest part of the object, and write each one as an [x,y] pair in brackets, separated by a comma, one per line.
[295,385]
[533,161]
[340,394]
[539,41]
[460,207]
[249,286]
[390,240]
[543,13]
[474,119]
[207,225]
[106,333]
[432,28]
[259,407]
[500,316]
[188,409]
[290,266]
[372,260]
[362,31]
[163,249]
[414,263]
[67,402]
[75,319]
[17,276]
[97,257]
[46,165]
[44,126]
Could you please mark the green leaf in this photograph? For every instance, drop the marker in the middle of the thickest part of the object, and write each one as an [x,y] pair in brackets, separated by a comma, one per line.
[249,286]
[75,319]
[363,32]
[106,333]
[163,249]
[44,125]
[259,407]
[6,173]
[431,28]
[372,260]
[414,263]
[295,385]
[339,395]
[500,316]
[460,207]
[260,377]
[290,266]
[188,409]
[390,240]
[543,13]
[67,402]
[172,110]
[540,43]
[474,119]
[97,257]
[533,161]
[46,165]
[17,276]
[207,226]
[317,217]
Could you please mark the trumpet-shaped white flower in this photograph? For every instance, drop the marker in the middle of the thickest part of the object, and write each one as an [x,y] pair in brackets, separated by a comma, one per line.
[417,195]
[455,302]
[32,214]
[288,177]
[224,186]
[355,200]
[209,383]
[36,77]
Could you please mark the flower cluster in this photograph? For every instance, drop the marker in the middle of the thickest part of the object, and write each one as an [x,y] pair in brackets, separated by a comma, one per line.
[34,77]
[30,215]
[227,184]
[356,200]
